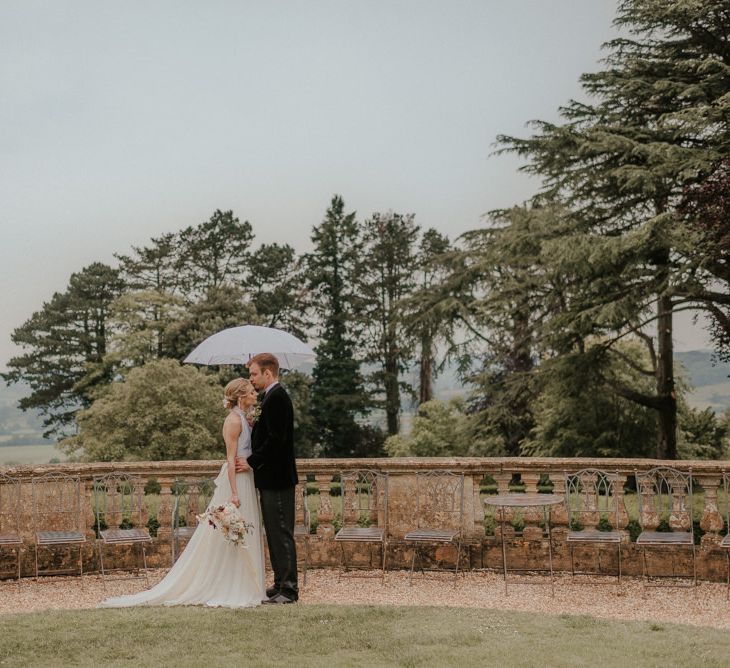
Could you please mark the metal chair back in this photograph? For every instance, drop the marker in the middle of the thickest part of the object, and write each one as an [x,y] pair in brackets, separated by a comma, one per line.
[439,499]
[119,501]
[591,499]
[191,499]
[57,502]
[364,495]
[10,506]
[665,499]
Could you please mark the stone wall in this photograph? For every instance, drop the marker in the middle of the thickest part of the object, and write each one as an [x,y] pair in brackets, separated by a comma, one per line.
[525,534]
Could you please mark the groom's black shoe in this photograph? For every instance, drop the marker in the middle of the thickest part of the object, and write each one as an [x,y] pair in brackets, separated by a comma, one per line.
[279,599]
[272,591]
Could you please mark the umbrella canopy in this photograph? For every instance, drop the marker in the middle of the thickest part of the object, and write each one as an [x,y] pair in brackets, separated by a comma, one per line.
[238,345]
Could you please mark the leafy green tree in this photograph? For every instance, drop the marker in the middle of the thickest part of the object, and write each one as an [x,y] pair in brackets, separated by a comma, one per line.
[160,411]
[299,387]
[277,289]
[440,429]
[657,122]
[157,266]
[333,271]
[499,290]
[577,414]
[140,321]
[64,343]
[391,257]
[702,434]
[215,253]
[219,308]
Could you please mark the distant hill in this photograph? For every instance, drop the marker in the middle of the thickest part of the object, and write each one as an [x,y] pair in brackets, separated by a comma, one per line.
[18,427]
[710,379]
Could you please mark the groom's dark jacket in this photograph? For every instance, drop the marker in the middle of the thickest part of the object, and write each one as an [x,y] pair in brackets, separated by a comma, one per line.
[272,442]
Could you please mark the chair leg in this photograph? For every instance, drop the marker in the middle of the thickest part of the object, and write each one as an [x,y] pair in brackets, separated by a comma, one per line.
[81,564]
[385,555]
[644,568]
[343,565]
[413,563]
[101,562]
[694,568]
[727,556]
[306,558]
[619,563]
[458,556]
[20,551]
[36,562]
[572,561]
[144,562]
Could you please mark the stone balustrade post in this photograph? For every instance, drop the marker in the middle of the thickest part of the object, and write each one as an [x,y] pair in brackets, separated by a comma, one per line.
[711,521]
[88,514]
[558,514]
[620,501]
[164,511]
[532,516]
[478,524]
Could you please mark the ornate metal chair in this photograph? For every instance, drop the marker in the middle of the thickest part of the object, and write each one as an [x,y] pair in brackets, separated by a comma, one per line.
[665,515]
[191,499]
[364,495]
[120,512]
[592,506]
[439,514]
[10,517]
[302,523]
[57,516]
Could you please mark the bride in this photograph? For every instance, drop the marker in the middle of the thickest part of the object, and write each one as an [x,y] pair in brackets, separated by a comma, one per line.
[211,571]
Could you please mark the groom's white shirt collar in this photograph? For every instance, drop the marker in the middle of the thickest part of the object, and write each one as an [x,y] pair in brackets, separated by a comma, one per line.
[271,387]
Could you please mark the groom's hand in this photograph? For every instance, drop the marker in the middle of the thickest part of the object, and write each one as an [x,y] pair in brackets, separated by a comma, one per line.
[242,465]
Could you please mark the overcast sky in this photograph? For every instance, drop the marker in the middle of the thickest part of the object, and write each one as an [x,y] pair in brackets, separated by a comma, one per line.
[120,121]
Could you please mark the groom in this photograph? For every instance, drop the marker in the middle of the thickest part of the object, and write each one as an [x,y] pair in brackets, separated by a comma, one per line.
[275,474]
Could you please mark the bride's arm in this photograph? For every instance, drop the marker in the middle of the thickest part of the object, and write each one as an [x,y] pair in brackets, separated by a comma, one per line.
[231,431]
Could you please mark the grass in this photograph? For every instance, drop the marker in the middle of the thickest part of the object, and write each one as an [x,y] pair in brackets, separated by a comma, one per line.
[22,455]
[348,636]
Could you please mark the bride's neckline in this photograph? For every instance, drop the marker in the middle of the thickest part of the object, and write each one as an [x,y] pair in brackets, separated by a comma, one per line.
[240,413]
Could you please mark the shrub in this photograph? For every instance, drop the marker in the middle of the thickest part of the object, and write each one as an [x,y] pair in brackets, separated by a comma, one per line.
[604,524]
[153,525]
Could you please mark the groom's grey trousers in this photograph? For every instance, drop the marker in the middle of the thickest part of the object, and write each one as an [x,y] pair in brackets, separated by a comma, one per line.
[277,510]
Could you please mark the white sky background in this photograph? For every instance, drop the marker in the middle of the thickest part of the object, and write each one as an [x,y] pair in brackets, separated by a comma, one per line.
[120,121]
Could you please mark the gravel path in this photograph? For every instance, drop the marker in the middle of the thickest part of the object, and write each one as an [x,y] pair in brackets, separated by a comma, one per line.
[707,607]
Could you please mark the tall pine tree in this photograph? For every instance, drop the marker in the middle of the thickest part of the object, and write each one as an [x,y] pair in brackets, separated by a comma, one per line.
[391,258]
[333,271]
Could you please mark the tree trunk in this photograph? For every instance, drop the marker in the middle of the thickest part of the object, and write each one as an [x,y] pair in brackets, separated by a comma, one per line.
[425,380]
[667,411]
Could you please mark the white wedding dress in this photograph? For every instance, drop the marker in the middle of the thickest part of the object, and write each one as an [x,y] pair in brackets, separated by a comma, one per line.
[211,571]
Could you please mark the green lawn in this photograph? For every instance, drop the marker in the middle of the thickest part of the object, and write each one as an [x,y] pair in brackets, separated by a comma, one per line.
[349,636]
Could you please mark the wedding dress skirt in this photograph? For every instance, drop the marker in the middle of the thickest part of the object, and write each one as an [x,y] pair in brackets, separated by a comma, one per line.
[212,571]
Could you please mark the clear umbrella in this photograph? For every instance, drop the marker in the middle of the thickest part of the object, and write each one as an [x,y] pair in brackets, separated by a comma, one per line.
[238,345]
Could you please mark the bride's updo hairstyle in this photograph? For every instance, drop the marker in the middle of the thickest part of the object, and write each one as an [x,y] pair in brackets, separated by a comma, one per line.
[238,387]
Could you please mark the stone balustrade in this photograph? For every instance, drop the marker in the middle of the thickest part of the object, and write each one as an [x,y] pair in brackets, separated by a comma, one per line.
[482,475]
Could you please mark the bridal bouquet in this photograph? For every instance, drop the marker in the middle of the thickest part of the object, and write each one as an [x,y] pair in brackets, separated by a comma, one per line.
[227,518]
